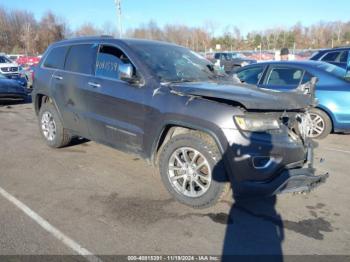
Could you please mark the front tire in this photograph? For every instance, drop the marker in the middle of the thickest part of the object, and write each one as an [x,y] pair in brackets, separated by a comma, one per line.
[192,170]
[321,124]
[51,127]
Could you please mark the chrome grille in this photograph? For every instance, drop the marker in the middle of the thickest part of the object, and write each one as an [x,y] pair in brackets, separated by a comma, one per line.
[9,69]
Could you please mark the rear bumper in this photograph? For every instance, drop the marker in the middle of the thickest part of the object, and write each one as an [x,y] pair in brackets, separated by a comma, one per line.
[289,181]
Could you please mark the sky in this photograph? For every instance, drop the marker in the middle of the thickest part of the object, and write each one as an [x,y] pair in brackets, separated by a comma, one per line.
[247,15]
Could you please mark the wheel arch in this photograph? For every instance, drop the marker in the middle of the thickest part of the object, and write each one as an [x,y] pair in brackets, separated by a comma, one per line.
[42,98]
[171,129]
[328,113]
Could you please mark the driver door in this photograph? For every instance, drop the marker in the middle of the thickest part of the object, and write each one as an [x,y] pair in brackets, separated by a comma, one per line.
[116,112]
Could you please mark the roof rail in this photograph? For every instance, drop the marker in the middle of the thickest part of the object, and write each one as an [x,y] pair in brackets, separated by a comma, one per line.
[87,37]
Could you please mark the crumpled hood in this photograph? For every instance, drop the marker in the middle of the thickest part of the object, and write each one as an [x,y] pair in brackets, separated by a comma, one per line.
[251,97]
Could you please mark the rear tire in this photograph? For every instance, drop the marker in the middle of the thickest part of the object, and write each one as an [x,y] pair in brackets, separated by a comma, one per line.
[51,127]
[192,170]
[322,124]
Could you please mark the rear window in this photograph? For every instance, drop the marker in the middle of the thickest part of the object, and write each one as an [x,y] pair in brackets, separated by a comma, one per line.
[285,76]
[56,57]
[331,57]
[81,59]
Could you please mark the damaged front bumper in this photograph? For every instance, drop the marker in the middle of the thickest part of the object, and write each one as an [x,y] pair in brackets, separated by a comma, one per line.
[293,173]
[299,180]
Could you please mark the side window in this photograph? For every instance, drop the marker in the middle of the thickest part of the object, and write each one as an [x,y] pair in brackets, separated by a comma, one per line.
[344,57]
[251,75]
[331,57]
[285,76]
[307,77]
[225,57]
[217,56]
[56,57]
[81,58]
[109,59]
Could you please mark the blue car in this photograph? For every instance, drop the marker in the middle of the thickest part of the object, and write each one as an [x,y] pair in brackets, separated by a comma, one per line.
[11,89]
[336,56]
[333,89]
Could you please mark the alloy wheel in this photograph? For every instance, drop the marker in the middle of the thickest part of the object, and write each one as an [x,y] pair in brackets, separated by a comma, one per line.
[189,172]
[318,125]
[48,126]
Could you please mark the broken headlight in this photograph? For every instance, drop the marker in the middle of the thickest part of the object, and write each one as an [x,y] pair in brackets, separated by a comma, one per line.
[257,123]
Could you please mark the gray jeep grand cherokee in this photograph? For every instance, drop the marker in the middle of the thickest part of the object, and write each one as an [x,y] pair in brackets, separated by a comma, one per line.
[167,104]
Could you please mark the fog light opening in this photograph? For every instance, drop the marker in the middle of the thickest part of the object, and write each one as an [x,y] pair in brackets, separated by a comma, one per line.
[261,162]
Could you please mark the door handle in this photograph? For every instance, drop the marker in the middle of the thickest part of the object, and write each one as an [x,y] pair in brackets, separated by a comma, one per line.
[95,85]
[57,77]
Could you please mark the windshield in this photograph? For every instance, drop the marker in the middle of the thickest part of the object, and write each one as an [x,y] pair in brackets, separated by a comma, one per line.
[333,69]
[175,63]
[4,60]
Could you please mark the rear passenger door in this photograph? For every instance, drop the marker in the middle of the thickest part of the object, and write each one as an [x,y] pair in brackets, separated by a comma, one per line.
[283,78]
[116,112]
[53,62]
[71,86]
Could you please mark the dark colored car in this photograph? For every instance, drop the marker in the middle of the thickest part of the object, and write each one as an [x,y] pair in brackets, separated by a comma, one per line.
[166,104]
[230,61]
[336,56]
[332,91]
[11,89]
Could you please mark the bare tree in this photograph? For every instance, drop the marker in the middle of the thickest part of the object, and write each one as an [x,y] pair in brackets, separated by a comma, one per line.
[88,29]
[21,32]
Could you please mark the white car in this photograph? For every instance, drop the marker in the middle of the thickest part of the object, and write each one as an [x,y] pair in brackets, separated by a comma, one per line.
[9,68]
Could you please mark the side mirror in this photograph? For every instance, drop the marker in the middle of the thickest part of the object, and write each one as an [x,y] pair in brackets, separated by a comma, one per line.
[126,72]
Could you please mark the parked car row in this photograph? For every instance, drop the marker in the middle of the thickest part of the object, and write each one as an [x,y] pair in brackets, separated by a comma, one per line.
[23,73]
[23,59]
